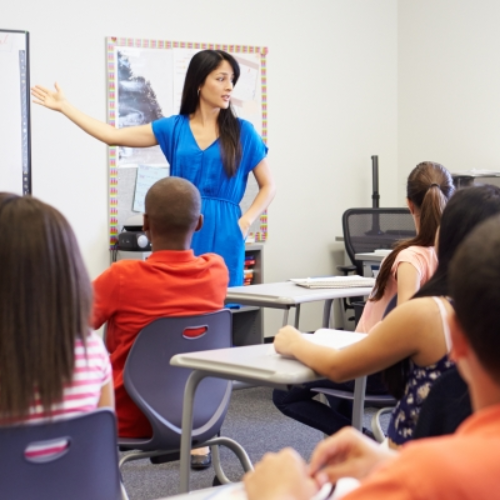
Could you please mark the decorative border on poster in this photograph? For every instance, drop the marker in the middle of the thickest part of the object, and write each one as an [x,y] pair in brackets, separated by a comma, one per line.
[112,42]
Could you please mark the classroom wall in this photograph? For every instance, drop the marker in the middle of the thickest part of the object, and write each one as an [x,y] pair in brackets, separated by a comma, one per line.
[332,87]
[449,84]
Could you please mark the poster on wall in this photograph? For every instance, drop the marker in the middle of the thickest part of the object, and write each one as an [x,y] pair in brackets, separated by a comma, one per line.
[145,82]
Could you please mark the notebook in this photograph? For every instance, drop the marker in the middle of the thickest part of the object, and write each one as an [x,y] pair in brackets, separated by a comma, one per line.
[352,281]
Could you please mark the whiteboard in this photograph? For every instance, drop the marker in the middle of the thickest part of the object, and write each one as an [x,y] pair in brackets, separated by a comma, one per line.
[15,148]
[145,82]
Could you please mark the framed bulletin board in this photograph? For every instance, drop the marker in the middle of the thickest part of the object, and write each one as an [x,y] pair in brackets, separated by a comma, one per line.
[145,82]
[15,145]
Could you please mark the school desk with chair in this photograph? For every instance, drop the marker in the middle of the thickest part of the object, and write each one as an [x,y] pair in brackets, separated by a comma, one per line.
[257,365]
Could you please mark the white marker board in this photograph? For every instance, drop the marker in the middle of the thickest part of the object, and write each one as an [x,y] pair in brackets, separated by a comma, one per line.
[15,146]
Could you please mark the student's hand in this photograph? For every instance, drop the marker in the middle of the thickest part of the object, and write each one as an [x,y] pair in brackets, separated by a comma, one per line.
[244,227]
[286,340]
[48,98]
[348,453]
[280,476]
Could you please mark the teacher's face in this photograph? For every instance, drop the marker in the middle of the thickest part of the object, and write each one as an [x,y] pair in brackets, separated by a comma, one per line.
[217,87]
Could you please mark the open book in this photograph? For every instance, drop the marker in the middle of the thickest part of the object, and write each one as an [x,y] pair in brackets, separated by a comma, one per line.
[352,281]
[338,339]
[327,337]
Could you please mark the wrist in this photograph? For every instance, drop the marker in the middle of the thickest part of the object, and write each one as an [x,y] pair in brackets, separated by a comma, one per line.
[65,107]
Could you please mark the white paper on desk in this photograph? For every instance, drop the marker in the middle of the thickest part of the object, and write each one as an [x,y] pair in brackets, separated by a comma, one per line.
[237,491]
[352,281]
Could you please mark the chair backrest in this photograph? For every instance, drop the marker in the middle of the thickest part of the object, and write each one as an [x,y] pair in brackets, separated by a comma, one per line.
[368,229]
[158,388]
[73,459]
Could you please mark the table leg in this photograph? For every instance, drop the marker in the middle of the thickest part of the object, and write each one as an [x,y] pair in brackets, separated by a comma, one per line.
[297,316]
[187,427]
[327,311]
[285,316]
[358,407]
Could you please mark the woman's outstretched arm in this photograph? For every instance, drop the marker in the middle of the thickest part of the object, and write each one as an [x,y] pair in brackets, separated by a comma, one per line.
[135,137]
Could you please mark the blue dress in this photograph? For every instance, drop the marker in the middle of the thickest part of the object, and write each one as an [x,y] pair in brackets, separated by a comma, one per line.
[220,194]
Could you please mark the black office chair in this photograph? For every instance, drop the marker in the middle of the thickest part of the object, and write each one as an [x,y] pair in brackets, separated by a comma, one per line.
[369,229]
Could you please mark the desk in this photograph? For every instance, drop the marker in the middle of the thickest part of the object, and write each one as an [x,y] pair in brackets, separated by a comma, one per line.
[256,365]
[285,295]
[370,257]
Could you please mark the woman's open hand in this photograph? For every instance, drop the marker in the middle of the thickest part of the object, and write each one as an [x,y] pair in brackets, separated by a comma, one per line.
[50,99]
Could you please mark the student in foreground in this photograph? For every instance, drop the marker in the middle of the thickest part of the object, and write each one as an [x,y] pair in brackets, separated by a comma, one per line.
[52,366]
[171,282]
[462,466]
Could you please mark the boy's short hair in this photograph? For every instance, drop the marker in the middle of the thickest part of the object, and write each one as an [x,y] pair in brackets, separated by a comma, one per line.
[475,288]
[173,205]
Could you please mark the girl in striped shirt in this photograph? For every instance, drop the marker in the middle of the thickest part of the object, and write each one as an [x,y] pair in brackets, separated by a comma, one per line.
[51,365]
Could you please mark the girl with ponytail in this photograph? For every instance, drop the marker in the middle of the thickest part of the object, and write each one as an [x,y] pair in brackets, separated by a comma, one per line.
[408,267]
[412,262]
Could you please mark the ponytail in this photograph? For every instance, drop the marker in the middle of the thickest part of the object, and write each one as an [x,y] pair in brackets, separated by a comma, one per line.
[429,187]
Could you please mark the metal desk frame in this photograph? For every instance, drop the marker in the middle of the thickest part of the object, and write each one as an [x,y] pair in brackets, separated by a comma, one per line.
[285,295]
[250,364]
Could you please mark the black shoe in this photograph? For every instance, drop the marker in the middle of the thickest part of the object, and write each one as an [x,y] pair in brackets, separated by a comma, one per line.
[168,457]
[200,462]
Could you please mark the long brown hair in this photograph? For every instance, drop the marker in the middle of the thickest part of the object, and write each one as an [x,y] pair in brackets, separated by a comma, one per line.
[200,66]
[45,304]
[429,187]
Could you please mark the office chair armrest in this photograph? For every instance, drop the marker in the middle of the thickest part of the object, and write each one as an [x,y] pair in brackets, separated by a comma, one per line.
[347,269]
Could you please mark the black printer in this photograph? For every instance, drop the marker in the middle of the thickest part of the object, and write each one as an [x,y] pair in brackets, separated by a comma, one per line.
[132,237]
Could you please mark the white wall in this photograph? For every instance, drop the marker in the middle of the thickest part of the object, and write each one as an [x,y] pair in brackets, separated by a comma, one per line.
[332,104]
[449,84]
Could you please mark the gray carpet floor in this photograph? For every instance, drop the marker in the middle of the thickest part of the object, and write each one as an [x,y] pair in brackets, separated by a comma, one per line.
[254,422]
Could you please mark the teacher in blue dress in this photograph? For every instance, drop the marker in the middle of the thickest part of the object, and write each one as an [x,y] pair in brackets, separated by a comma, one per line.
[206,144]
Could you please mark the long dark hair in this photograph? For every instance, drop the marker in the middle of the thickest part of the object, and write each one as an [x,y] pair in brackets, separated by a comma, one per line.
[429,187]
[466,209]
[201,65]
[45,304]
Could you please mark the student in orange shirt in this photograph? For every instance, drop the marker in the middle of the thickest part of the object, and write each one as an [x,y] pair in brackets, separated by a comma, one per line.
[171,282]
[464,465]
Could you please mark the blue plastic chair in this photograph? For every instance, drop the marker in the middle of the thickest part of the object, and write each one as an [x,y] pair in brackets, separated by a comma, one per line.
[83,463]
[157,388]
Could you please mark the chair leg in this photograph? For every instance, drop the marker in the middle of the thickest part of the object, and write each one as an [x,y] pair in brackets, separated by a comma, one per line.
[221,476]
[123,492]
[375,424]
[236,448]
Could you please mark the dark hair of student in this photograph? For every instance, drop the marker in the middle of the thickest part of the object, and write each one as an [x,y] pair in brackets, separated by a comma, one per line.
[201,65]
[45,304]
[474,278]
[429,187]
[466,209]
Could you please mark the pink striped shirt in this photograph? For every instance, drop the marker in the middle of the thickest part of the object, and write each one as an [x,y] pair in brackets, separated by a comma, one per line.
[92,371]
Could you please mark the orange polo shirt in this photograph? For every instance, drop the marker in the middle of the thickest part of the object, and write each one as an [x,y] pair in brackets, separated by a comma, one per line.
[132,293]
[462,466]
